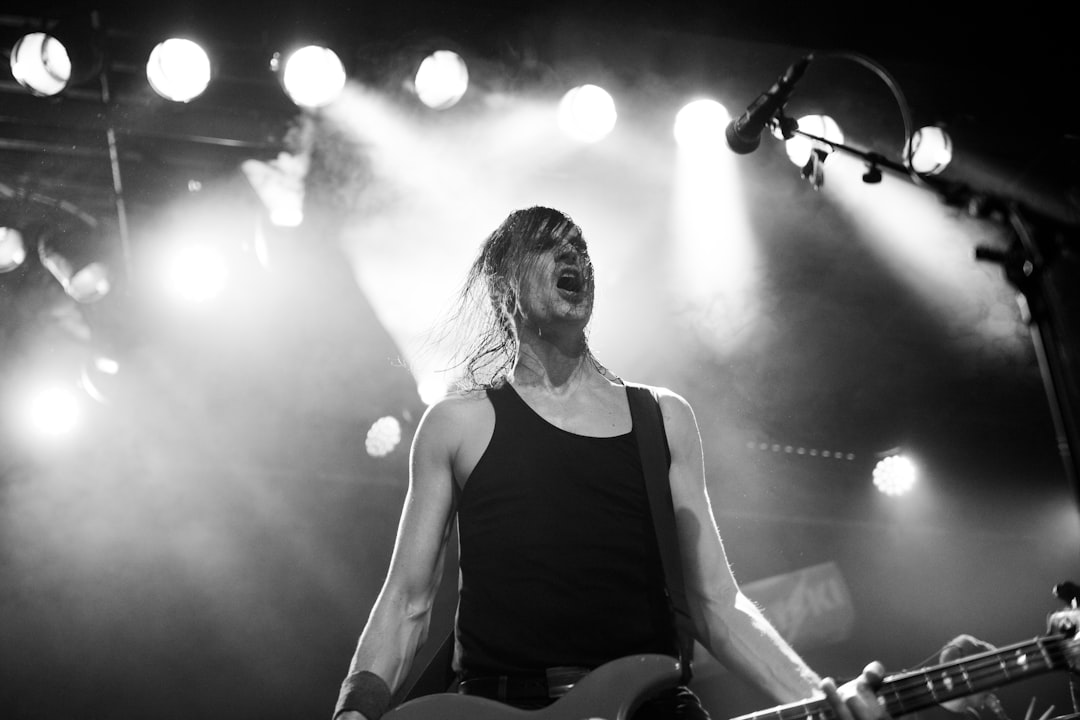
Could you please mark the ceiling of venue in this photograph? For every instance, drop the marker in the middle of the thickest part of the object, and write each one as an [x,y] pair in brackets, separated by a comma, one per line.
[210,544]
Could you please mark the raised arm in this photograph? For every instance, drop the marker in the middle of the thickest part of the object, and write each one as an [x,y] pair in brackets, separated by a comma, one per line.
[399,620]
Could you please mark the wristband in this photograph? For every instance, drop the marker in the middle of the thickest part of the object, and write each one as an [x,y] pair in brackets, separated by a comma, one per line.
[366,693]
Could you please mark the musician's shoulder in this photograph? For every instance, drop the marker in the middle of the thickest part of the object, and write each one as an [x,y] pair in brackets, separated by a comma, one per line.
[459,406]
[667,397]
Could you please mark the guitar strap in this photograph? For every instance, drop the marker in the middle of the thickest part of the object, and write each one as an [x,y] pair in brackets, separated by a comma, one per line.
[655,461]
[648,423]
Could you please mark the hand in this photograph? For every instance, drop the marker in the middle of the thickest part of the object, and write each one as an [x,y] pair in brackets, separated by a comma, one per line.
[857,699]
[962,646]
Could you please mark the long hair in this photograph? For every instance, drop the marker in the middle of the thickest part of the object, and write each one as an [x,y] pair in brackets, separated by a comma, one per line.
[488,304]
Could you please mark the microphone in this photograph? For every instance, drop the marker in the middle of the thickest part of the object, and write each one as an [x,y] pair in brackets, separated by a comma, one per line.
[744,132]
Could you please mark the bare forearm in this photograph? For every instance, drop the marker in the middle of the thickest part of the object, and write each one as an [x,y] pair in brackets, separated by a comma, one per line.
[752,648]
[393,634]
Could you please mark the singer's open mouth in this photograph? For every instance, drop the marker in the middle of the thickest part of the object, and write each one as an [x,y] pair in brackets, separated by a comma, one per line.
[570,281]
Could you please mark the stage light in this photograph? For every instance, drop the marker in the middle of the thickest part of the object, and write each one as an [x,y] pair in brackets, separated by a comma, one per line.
[587,113]
[47,63]
[178,70]
[195,274]
[74,259]
[441,80]
[312,76]
[53,411]
[895,474]
[40,63]
[12,249]
[930,151]
[431,389]
[700,124]
[799,148]
[383,436]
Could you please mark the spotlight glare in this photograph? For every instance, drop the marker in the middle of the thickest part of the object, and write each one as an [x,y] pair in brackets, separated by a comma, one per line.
[383,436]
[700,124]
[431,389]
[441,80]
[313,76]
[53,411]
[930,151]
[799,147]
[587,113]
[178,70]
[40,63]
[196,274]
[12,249]
[895,475]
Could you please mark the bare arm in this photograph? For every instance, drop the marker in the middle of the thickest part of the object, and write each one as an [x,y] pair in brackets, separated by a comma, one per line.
[399,620]
[727,623]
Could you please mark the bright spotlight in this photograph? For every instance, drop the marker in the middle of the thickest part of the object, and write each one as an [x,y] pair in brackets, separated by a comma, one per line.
[53,411]
[431,389]
[799,148]
[12,249]
[587,113]
[313,76]
[40,63]
[195,274]
[895,475]
[383,436]
[700,124]
[930,151]
[442,79]
[178,70]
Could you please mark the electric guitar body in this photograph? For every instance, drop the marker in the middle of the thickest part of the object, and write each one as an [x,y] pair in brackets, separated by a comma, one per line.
[611,692]
[614,690]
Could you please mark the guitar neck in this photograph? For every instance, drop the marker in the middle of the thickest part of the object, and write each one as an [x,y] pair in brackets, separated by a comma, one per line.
[919,689]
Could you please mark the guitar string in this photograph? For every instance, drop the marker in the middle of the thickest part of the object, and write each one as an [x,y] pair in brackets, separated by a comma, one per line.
[1039,655]
[976,670]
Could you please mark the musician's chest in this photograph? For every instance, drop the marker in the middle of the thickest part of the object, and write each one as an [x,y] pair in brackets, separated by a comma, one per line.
[604,413]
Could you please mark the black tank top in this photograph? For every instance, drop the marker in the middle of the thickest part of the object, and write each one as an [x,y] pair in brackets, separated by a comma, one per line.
[558,556]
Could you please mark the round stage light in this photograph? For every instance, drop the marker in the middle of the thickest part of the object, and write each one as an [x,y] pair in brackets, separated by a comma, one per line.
[178,70]
[895,475]
[930,151]
[587,113]
[800,147]
[700,124]
[313,76]
[40,63]
[195,274]
[53,411]
[12,249]
[441,80]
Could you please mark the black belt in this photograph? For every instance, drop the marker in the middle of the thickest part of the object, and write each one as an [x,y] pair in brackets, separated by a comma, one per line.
[552,684]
